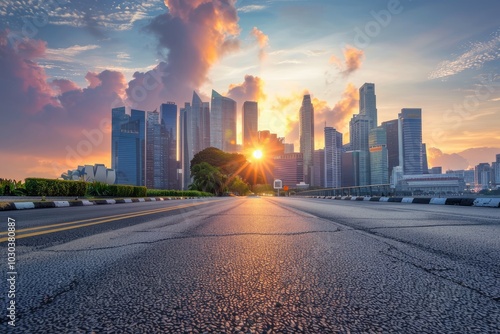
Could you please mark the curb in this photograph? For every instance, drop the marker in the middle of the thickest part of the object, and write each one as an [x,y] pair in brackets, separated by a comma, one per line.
[6,206]
[477,202]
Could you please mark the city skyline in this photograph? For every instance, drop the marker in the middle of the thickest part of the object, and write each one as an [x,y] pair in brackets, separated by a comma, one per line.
[67,65]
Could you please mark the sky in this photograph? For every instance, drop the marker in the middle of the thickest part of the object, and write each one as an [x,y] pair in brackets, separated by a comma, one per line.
[65,64]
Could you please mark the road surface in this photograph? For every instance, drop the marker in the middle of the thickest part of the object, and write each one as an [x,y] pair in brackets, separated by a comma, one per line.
[255,265]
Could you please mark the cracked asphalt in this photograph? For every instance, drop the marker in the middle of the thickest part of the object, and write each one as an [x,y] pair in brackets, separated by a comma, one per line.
[264,265]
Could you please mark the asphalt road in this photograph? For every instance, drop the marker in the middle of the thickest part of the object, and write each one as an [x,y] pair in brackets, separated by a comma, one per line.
[255,265]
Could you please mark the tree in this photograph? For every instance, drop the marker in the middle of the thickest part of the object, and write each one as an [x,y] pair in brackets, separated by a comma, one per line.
[228,163]
[207,178]
[238,186]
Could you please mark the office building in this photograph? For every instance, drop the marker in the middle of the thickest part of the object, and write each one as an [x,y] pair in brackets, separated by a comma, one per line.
[318,178]
[223,123]
[250,124]
[350,169]
[368,103]
[333,158]
[289,169]
[410,141]
[482,176]
[169,120]
[359,127]
[187,144]
[306,134]
[392,132]
[128,146]
[425,164]
[379,160]
[155,152]
[289,147]
[200,123]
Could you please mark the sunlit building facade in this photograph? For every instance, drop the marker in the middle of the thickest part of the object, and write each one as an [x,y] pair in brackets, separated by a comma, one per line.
[333,158]
[223,123]
[306,134]
[250,124]
[410,141]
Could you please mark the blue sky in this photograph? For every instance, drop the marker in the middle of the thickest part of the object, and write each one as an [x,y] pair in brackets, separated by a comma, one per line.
[441,56]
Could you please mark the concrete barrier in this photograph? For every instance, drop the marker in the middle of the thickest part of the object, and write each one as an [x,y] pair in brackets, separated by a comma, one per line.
[384,199]
[60,204]
[488,202]
[438,201]
[24,205]
[421,200]
[367,198]
[395,199]
[407,200]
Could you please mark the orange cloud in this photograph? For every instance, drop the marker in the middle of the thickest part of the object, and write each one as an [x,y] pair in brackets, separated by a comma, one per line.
[262,40]
[353,59]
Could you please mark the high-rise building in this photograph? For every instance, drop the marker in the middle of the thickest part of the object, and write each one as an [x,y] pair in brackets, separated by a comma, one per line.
[155,152]
[128,146]
[187,144]
[223,123]
[200,123]
[425,164]
[378,156]
[368,103]
[392,131]
[306,134]
[318,179]
[333,158]
[410,141]
[359,127]
[250,124]
[289,169]
[289,147]
[496,171]
[169,123]
[482,176]
[350,169]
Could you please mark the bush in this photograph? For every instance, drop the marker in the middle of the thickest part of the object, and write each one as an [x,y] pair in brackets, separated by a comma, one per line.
[98,189]
[49,187]
[176,193]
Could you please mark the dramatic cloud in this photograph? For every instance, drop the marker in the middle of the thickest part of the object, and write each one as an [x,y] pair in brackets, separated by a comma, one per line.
[477,54]
[192,37]
[436,158]
[252,89]
[262,40]
[352,60]
[39,113]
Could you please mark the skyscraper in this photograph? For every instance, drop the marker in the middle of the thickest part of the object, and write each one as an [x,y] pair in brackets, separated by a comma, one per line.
[289,169]
[350,169]
[425,164]
[318,179]
[128,146]
[201,123]
[359,127]
[333,158]
[223,123]
[306,134]
[187,144]
[392,131]
[169,123]
[378,156]
[250,124]
[368,103]
[410,141]
[155,152]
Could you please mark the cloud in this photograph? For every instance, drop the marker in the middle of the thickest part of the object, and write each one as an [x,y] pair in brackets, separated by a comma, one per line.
[51,120]
[252,89]
[476,55]
[353,58]
[262,40]
[436,158]
[204,31]
[251,8]
[68,54]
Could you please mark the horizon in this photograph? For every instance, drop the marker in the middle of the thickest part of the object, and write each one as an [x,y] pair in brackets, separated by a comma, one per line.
[65,66]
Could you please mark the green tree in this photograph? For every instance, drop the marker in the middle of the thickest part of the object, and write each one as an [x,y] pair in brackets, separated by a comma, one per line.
[228,163]
[208,178]
[238,186]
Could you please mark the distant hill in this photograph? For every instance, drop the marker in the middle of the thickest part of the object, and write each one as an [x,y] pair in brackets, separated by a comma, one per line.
[461,160]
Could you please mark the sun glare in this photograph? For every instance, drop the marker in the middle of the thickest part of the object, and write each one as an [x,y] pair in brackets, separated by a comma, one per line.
[257,154]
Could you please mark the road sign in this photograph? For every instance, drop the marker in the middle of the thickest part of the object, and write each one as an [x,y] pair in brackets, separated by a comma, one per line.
[278,184]
[285,188]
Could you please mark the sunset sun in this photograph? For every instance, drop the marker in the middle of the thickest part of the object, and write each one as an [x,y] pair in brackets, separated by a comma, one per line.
[257,154]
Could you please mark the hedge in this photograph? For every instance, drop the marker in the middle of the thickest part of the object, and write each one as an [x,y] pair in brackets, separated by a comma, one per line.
[49,187]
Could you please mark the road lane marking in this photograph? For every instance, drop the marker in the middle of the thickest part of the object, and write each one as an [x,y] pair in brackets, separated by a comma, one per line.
[91,221]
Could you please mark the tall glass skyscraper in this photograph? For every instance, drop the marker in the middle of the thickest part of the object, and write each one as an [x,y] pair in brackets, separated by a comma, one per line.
[378,156]
[306,134]
[169,123]
[333,158]
[410,141]
[200,123]
[187,143]
[155,151]
[128,146]
[359,127]
[223,123]
[392,131]
[368,103]
[250,124]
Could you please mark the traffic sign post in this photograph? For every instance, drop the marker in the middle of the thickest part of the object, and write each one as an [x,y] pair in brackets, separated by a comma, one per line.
[278,184]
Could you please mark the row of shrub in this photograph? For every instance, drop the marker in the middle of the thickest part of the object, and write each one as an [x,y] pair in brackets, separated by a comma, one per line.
[177,193]
[50,187]
[11,188]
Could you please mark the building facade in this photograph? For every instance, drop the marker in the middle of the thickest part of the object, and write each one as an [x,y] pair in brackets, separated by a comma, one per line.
[359,127]
[250,124]
[169,121]
[410,141]
[333,158]
[368,103]
[318,178]
[128,146]
[306,134]
[379,158]
[223,123]
[289,169]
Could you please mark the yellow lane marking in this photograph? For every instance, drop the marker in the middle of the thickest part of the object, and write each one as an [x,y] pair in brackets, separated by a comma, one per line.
[107,219]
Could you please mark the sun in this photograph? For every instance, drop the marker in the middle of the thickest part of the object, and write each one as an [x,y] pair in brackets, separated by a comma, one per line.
[257,154]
